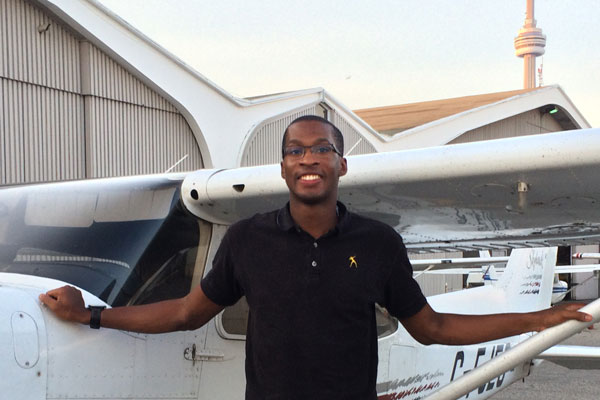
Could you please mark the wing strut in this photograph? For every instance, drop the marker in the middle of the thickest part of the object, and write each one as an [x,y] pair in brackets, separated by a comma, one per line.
[519,354]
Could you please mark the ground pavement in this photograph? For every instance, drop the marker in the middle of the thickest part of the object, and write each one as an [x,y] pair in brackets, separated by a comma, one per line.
[552,382]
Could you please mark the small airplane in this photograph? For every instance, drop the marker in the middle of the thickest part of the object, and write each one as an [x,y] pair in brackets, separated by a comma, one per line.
[487,273]
[141,239]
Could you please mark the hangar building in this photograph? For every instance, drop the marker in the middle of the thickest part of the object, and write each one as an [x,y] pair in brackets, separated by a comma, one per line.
[85,95]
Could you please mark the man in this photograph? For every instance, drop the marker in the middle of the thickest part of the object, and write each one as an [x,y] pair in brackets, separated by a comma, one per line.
[311,273]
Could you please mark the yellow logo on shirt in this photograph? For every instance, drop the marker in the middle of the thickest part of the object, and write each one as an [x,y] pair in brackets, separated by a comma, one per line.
[353,262]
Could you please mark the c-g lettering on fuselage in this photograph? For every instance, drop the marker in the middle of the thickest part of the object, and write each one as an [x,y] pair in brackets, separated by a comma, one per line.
[463,363]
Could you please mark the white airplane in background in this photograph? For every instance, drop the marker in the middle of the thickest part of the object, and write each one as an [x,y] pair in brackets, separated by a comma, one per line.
[140,239]
[487,273]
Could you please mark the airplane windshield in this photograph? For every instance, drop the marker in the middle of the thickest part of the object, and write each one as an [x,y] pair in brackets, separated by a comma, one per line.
[115,238]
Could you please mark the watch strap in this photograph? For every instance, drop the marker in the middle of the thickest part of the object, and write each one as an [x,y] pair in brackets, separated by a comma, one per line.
[95,312]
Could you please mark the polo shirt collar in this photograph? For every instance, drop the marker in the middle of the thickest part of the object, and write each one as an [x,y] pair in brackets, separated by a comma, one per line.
[285,222]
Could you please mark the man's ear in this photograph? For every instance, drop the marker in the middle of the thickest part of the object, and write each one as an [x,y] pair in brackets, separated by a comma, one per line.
[343,166]
[282,170]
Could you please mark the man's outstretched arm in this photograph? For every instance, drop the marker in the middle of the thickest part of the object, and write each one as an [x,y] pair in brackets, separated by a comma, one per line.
[431,327]
[187,313]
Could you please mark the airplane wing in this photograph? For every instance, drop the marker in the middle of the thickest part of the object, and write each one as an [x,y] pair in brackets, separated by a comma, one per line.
[463,269]
[571,269]
[519,192]
[452,271]
[456,263]
[573,357]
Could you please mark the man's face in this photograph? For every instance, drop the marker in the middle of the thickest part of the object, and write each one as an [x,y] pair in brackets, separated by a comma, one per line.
[313,178]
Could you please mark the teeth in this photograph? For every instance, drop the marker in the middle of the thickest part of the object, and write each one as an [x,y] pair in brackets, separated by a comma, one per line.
[309,177]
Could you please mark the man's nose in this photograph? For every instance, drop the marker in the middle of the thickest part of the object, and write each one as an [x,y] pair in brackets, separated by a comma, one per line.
[309,157]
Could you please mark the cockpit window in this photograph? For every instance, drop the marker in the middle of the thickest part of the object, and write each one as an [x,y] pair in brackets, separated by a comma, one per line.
[386,324]
[125,240]
[234,320]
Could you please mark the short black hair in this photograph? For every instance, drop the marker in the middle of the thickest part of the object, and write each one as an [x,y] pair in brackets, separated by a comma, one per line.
[338,139]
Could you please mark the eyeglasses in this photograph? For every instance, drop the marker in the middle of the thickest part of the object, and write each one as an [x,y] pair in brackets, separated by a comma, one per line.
[319,150]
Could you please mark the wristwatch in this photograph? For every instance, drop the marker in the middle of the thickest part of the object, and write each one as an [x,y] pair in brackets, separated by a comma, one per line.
[95,316]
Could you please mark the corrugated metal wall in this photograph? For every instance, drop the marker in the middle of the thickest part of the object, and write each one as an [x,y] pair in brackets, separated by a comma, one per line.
[68,111]
[432,285]
[36,49]
[41,110]
[528,123]
[131,129]
[127,139]
[109,80]
[437,284]
[265,144]
[586,284]
[354,143]
[41,132]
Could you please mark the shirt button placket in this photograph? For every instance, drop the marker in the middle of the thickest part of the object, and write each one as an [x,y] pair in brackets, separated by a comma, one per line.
[315,257]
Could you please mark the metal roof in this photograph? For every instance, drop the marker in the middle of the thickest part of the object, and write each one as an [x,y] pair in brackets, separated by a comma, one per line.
[397,118]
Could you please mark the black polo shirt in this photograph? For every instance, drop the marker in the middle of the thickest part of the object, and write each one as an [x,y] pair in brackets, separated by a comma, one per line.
[311,328]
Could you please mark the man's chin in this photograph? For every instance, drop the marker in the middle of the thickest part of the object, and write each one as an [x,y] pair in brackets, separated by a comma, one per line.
[311,200]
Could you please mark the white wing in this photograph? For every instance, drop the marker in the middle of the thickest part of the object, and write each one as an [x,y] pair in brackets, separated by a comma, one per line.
[573,357]
[526,191]
[571,269]
[464,267]
[452,263]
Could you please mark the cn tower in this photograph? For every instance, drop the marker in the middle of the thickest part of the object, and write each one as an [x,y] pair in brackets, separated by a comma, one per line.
[529,44]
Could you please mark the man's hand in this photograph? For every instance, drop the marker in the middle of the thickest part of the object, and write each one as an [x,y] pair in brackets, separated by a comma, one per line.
[67,303]
[561,313]
[187,313]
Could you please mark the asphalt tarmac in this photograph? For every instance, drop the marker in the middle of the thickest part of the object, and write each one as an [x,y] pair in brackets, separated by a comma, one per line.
[553,382]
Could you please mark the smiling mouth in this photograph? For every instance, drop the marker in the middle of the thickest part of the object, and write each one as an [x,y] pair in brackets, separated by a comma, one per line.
[310,177]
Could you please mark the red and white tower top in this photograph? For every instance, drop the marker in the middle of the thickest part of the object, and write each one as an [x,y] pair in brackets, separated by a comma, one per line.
[529,44]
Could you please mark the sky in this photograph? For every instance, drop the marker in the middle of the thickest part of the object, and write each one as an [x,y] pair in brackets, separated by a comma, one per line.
[375,53]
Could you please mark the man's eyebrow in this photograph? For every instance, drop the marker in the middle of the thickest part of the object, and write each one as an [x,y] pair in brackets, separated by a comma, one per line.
[298,142]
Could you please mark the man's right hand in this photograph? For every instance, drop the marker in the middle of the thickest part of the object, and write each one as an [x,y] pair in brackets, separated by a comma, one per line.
[67,303]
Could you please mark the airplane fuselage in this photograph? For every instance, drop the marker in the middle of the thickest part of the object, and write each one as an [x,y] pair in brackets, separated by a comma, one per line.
[48,358]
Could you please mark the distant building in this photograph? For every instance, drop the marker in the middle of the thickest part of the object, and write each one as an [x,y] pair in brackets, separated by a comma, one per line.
[475,118]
